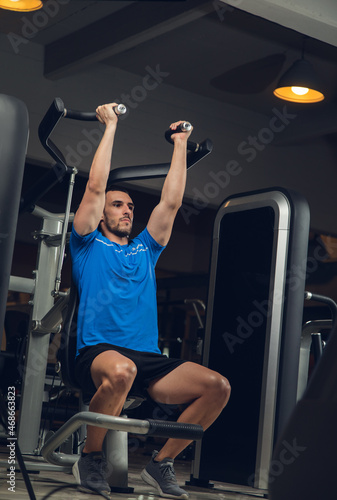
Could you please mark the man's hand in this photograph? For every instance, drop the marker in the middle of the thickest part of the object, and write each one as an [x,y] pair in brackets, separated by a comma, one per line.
[106,114]
[179,136]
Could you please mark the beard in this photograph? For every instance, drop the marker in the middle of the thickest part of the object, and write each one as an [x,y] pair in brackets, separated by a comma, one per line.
[117,230]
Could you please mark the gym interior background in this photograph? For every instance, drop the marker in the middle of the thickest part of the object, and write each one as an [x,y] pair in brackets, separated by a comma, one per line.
[214,64]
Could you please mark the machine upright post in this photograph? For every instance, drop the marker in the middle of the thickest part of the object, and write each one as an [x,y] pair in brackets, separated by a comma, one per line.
[34,370]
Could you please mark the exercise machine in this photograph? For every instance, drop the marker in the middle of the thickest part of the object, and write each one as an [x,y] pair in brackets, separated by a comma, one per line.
[48,302]
[14,125]
[253,332]
[309,471]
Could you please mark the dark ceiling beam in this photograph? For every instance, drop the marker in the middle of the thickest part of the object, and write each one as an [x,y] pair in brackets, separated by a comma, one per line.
[126,28]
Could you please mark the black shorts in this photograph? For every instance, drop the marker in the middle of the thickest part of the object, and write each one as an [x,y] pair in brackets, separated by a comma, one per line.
[149,367]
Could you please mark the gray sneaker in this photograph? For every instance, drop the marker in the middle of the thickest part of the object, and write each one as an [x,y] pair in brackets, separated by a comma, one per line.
[90,473]
[161,475]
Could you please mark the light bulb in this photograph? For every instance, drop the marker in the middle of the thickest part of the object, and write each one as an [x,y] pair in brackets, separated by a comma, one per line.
[300,90]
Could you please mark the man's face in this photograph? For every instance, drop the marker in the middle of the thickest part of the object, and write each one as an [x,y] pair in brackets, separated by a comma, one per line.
[118,214]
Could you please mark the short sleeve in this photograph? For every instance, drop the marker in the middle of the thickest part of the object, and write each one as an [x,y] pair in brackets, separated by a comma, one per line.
[79,244]
[154,247]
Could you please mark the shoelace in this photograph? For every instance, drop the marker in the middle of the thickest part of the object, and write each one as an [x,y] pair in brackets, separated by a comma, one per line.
[167,471]
[98,465]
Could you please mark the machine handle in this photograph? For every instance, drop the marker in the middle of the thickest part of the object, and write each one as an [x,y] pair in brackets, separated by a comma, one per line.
[55,112]
[178,430]
[183,127]
[90,115]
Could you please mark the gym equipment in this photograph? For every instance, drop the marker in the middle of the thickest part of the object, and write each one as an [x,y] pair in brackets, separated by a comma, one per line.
[253,332]
[304,460]
[48,303]
[183,127]
[311,338]
[115,444]
[14,139]
[325,300]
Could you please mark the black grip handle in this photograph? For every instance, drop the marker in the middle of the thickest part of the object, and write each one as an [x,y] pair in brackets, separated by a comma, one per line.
[90,115]
[183,127]
[179,430]
[55,112]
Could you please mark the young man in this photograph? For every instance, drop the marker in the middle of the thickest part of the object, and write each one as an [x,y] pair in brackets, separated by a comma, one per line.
[117,318]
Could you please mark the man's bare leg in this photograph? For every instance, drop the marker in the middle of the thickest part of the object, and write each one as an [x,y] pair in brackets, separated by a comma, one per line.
[113,375]
[207,392]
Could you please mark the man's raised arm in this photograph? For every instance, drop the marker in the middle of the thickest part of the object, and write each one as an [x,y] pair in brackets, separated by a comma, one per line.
[162,218]
[91,208]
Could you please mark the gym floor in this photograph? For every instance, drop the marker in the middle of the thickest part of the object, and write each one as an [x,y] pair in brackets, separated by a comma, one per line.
[49,484]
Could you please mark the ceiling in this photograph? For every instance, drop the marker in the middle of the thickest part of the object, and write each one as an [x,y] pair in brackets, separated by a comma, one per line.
[215,63]
[214,49]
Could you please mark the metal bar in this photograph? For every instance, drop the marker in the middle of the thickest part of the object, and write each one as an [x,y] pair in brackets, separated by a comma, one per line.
[325,300]
[303,365]
[194,303]
[91,418]
[316,326]
[38,345]
[64,232]
[316,340]
[44,214]
[309,328]
[24,285]
[154,427]
[51,321]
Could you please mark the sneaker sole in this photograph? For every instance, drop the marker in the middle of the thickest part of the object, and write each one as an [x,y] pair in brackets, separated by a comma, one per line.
[147,478]
[76,473]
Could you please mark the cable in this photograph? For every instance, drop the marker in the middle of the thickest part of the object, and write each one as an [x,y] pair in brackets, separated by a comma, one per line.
[73,486]
[29,487]
[25,473]
[4,420]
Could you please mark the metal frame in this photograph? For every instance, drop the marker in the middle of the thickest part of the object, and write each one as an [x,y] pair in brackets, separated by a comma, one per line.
[309,329]
[272,347]
[136,426]
[42,302]
[275,400]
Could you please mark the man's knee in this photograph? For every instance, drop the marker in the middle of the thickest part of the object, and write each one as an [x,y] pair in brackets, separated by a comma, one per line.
[226,389]
[123,374]
[220,387]
[118,376]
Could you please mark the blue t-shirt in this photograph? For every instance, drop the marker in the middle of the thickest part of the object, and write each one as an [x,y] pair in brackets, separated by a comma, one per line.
[117,289]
